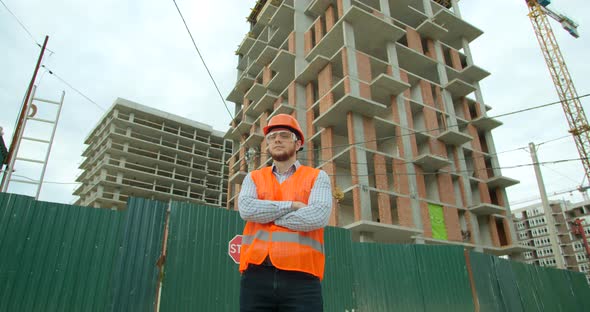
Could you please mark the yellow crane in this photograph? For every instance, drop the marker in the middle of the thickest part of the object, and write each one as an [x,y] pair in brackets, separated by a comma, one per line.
[570,102]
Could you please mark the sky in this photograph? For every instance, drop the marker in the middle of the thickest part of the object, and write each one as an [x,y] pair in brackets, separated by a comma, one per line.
[140,51]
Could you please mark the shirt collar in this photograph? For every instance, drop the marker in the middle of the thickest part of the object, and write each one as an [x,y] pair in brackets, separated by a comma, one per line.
[293,167]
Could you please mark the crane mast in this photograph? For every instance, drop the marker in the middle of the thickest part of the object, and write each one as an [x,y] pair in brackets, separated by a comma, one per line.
[562,80]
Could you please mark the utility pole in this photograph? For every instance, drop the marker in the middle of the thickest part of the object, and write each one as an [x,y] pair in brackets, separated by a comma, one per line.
[554,238]
[23,113]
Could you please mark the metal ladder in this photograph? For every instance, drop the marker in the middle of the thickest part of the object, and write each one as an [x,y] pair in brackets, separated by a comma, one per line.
[32,108]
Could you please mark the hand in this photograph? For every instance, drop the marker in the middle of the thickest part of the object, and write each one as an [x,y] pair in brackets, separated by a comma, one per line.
[296,205]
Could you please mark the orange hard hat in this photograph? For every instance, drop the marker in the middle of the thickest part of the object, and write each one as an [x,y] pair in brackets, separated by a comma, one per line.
[284,121]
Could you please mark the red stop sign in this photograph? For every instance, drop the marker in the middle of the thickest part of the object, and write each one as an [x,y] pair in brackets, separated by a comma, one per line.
[234,246]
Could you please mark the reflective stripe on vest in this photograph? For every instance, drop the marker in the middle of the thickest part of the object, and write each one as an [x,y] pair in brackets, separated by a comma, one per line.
[285,237]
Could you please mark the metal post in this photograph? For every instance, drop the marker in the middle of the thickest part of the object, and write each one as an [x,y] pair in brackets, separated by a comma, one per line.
[17,138]
[21,118]
[547,209]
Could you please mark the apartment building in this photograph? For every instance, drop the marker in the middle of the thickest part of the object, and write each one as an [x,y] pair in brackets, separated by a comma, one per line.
[139,151]
[532,228]
[388,95]
[577,252]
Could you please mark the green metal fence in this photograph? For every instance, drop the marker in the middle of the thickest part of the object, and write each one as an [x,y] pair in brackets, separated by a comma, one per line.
[56,257]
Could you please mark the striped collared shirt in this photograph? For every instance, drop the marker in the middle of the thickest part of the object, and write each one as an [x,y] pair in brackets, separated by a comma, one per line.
[314,216]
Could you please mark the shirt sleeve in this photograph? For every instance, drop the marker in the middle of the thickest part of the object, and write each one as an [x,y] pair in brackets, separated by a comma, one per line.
[256,210]
[316,214]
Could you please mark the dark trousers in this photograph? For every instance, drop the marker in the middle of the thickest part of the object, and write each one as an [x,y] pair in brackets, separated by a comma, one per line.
[266,288]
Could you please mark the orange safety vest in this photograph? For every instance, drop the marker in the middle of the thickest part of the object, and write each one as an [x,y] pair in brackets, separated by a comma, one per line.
[287,249]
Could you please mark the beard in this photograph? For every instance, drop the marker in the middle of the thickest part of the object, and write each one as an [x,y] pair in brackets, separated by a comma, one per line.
[283,155]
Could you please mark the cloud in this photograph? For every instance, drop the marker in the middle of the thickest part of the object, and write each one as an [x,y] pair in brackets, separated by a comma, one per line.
[140,50]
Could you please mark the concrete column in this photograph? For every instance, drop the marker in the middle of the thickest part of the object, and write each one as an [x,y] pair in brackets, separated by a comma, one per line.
[400,113]
[359,167]
[446,96]
[427,7]
[302,23]
[384,7]
[455,7]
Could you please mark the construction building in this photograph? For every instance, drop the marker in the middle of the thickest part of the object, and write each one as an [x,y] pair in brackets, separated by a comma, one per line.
[387,93]
[532,228]
[143,152]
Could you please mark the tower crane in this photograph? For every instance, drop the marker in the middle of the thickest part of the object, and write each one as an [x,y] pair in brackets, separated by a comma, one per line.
[570,102]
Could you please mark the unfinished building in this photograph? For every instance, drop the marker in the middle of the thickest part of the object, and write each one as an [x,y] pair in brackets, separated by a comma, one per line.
[388,95]
[532,230]
[139,151]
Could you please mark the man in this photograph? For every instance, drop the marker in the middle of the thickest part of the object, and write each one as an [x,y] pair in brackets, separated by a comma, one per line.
[286,207]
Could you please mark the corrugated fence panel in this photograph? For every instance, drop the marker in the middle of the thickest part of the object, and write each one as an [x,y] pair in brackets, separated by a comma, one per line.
[526,287]
[507,282]
[56,257]
[337,286]
[486,283]
[444,278]
[555,290]
[387,278]
[136,274]
[199,274]
[579,287]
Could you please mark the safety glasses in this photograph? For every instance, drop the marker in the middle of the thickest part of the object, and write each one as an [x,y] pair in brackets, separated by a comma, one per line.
[283,135]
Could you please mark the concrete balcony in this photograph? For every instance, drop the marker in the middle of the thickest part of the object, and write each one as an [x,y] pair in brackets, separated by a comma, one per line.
[267,55]
[432,30]
[317,7]
[459,88]
[284,108]
[256,49]
[254,139]
[242,85]
[404,11]
[469,74]
[430,162]
[283,16]
[382,232]
[313,68]
[284,66]
[266,13]
[256,92]
[417,63]
[507,250]
[474,73]
[265,103]
[349,103]
[486,123]
[458,29]
[283,23]
[385,85]
[487,209]
[245,45]
[243,127]
[385,128]
[454,137]
[501,182]
[238,177]
[363,23]
[231,134]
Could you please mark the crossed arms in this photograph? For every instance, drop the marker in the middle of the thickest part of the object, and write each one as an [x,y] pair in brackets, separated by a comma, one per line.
[295,216]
